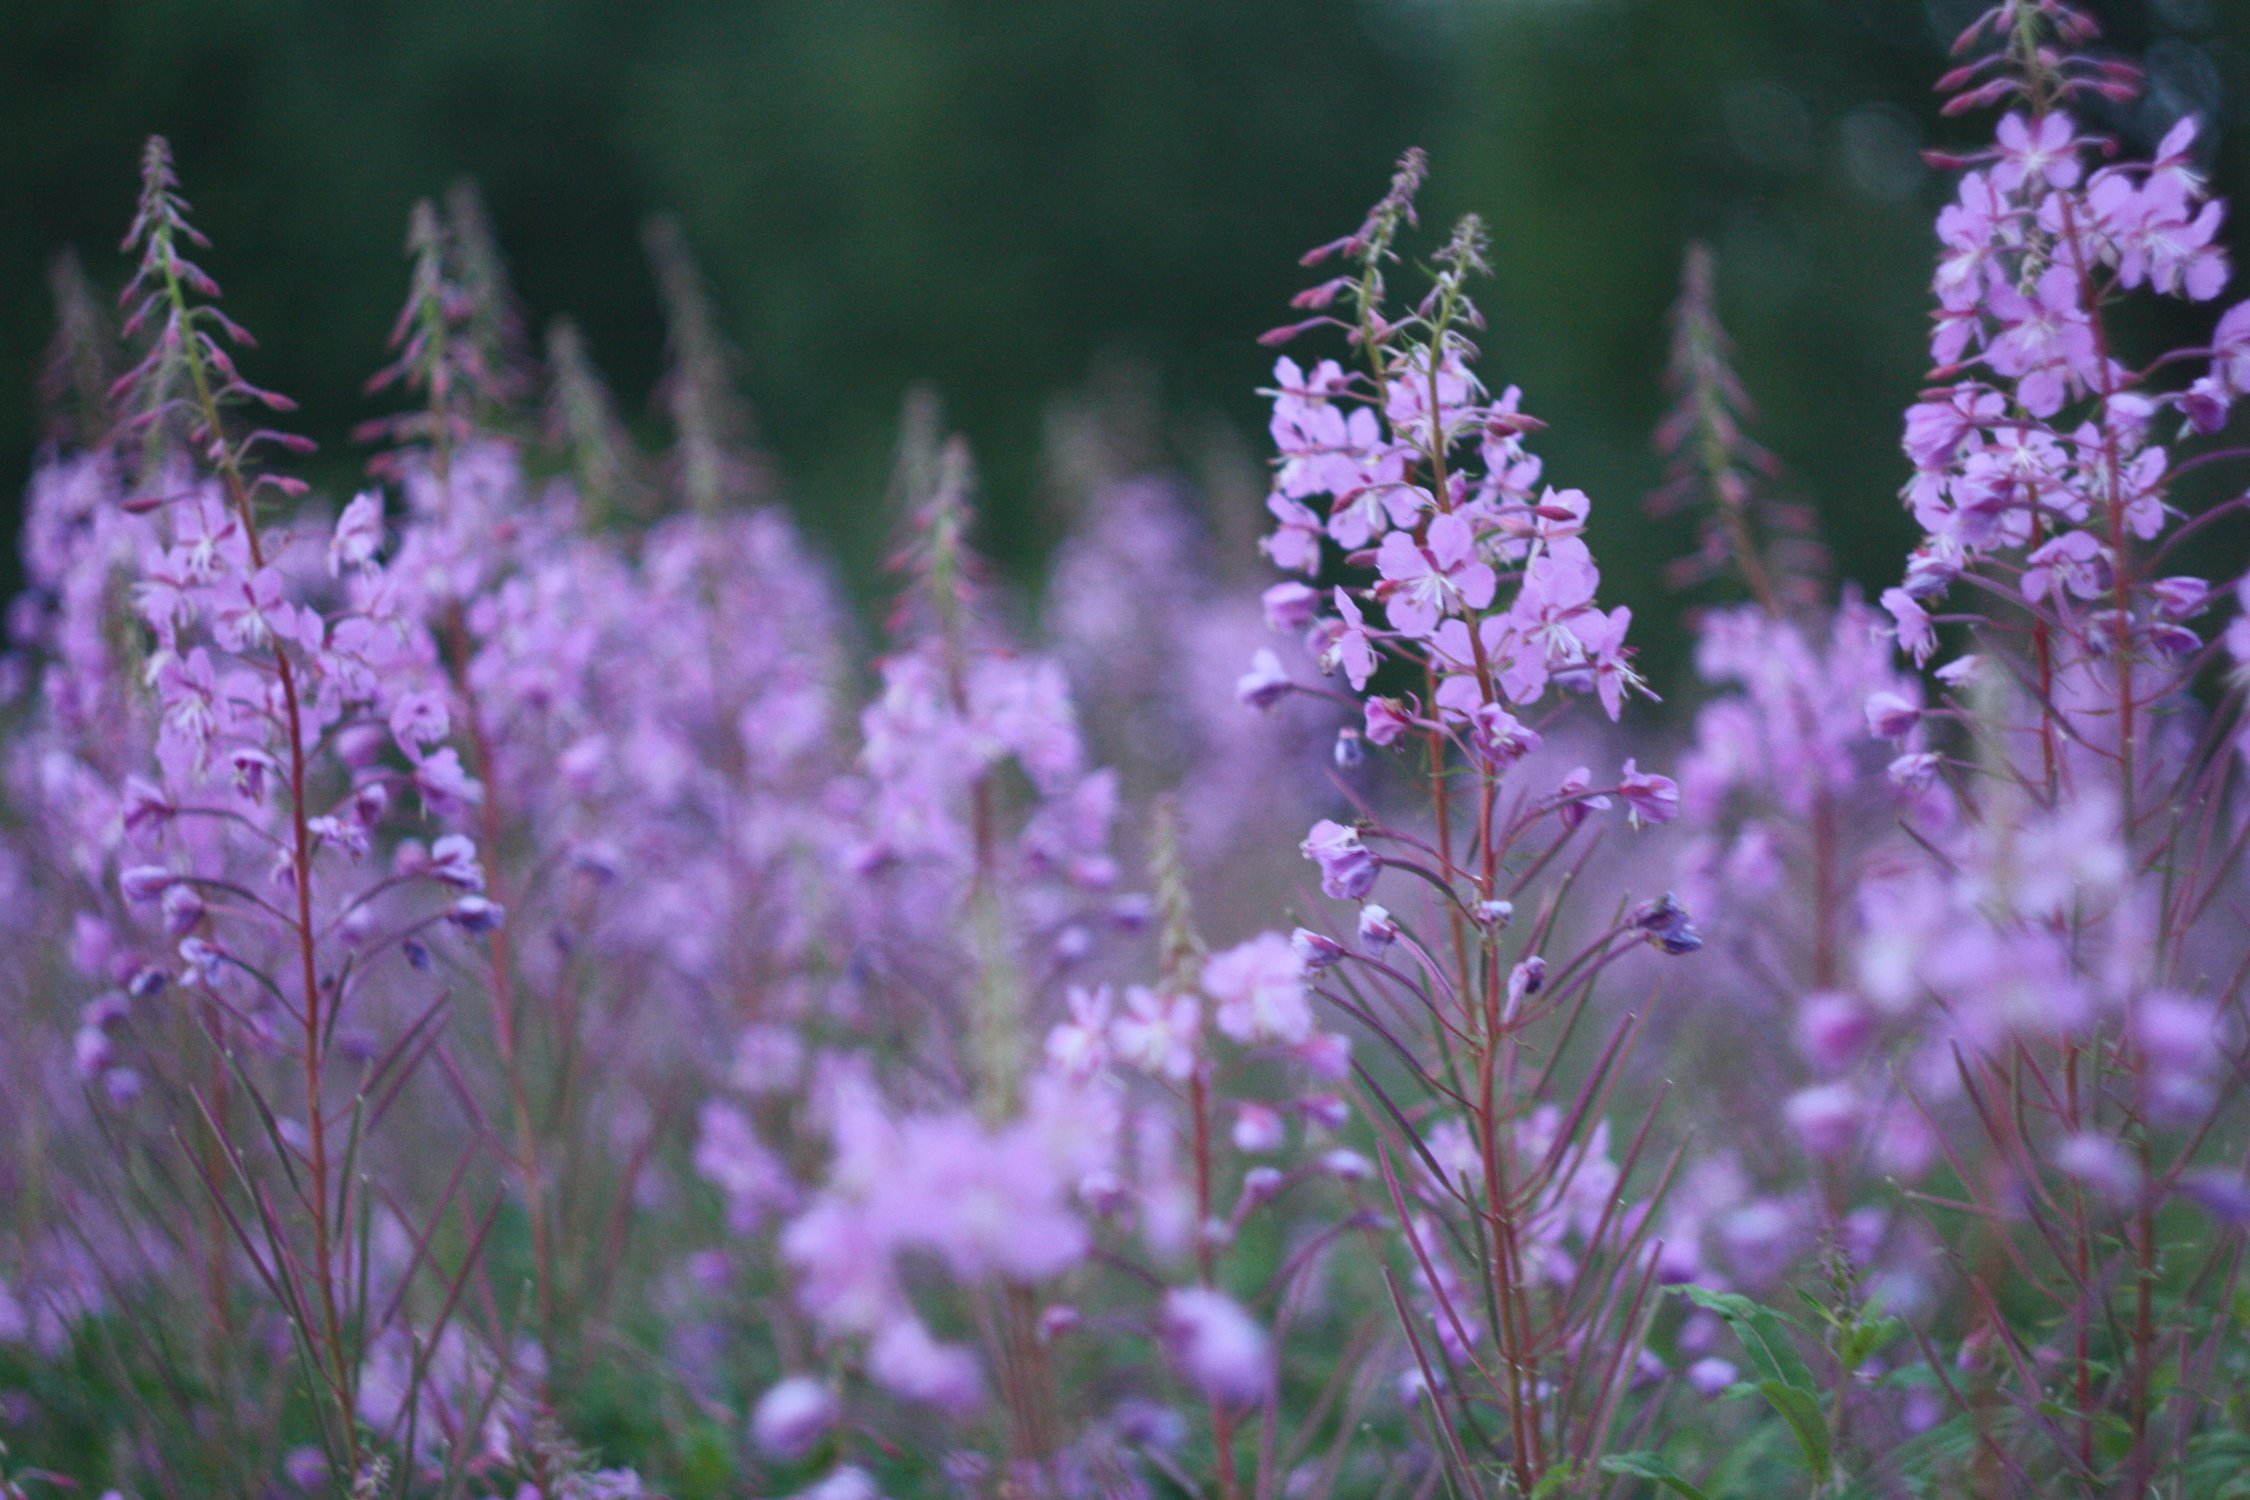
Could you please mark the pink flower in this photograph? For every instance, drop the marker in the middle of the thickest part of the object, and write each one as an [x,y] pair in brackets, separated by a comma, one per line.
[1158,1033]
[2075,561]
[1386,721]
[1349,647]
[1827,1119]
[1603,637]
[1258,1129]
[1215,1345]
[419,719]
[2230,350]
[1891,716]
[1265,683]
[1290,606]
[1648,798]
[359,534]
[1259,990]
[2046,149]
[2046,339]
[1079,1047]
[1499,736]
[1576,802]
[1347,867]
[906,1361]
[1294,544]
[793,1416]
[1441,575]
[1916,635]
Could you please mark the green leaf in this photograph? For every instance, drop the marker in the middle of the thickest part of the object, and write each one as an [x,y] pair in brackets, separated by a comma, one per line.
[1652,1466]
[1863,1340]
[1801,1410]
[1764,1334]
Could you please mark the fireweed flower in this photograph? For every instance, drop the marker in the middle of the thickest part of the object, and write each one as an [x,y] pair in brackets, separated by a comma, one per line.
[533,731]
[1488,592]
[285,720]
[2046,925]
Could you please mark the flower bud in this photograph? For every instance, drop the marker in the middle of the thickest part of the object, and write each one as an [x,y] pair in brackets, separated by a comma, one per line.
[475,914]
[1376,930]
[792,1417]
[1315,951]
[1258,1128]
[1215,1345]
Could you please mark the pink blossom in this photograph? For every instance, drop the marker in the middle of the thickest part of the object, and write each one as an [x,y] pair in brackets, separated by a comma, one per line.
[1158,1033]
[1350,647]
[1439,576]
[1648,798]
[1347,867]
[2044,148]
[1216,1346]
[1259,991]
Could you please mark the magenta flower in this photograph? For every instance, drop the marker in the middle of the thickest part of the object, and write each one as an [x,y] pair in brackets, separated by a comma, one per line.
[1349,646]
[1217,1346]
[1258,988]
[1079,1047]
[1917,636]
[793,1416]
[1441,575]
[1347,867]
[1648,798]
[358,536]
[1294,544]
[1265,683]
[1500,736]
[1158,1033]
[2045,149]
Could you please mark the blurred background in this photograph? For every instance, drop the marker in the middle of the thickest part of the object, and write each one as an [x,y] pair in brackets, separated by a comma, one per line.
[1009,197]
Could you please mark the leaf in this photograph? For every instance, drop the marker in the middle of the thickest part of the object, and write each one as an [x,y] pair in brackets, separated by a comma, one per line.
[1863,1340]
[1764,1334]
[1801,1410]
[1652,1466]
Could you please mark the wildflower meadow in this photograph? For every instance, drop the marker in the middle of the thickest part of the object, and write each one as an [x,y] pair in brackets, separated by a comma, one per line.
[516,989]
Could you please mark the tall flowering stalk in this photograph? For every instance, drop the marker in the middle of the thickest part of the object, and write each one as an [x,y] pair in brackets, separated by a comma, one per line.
[1714,463]
[1534,1280]
[1787,811]
[279,686]
[2068,938]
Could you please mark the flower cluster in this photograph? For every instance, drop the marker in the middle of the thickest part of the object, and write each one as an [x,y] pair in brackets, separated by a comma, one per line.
[492,963]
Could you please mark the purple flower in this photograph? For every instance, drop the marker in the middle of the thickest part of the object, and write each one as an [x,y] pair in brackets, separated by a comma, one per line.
[1158,1033]
[1258,988]
[1080,1046]
[793,1416]
[1265,684]
[1347,867]
[2045,149]
[1386,721]
[1648,797]
[1891,716]
[1216,1346]
[1258,1129]
[1441,575]
[906,1361]
[1916,635]
[359,534]
[1294,544]
[1290,606]
[1499,736]
[1349,646]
